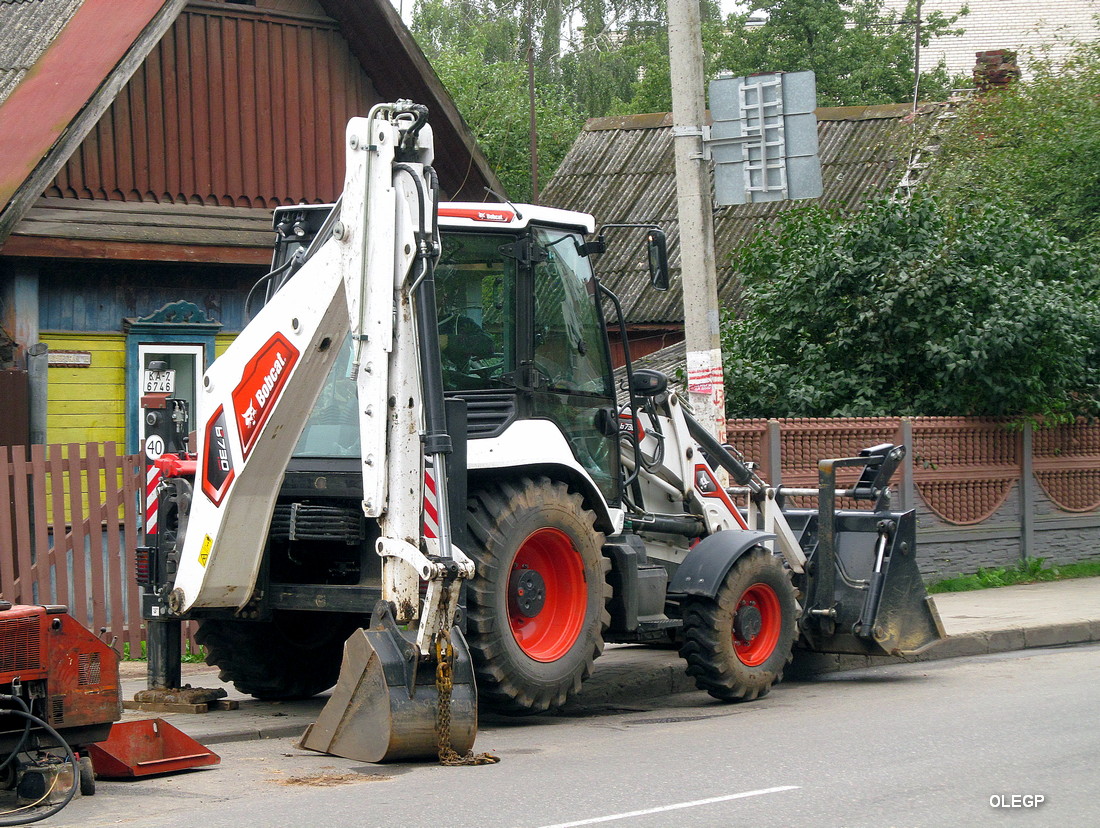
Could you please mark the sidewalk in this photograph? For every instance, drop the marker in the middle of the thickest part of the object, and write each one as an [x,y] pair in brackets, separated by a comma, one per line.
[980,622]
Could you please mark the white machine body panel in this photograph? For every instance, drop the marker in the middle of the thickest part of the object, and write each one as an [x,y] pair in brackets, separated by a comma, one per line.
[248,425]
[532,443]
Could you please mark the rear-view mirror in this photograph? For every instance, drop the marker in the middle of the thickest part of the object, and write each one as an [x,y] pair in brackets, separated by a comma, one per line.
[657,248]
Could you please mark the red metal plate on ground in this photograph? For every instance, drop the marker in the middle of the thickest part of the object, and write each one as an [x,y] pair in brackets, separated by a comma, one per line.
[145,748]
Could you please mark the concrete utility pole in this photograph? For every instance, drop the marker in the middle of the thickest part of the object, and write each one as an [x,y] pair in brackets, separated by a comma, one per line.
[697,273]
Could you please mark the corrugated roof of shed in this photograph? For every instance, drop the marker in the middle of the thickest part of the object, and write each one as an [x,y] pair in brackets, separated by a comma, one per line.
[621,169]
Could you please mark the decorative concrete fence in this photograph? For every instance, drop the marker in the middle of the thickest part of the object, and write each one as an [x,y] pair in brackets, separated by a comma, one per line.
[987,492]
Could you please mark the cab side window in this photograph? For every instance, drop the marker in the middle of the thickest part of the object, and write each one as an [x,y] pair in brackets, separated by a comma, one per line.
[476,305]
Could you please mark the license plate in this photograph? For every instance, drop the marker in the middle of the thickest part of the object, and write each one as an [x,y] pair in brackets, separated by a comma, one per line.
[160,382]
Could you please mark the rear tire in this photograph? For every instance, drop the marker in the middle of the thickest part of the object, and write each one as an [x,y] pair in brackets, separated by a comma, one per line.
[738,644]
[538,603]
[294,656]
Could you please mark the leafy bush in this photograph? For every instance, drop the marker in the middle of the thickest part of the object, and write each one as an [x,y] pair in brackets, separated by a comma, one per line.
[1035,146]
[907,309]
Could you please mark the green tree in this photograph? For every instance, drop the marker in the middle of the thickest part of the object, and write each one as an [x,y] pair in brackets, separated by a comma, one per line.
[1034,147]
[582,69]
[493,99]
[860,52]
[648,52]
[913,310]
[599,57]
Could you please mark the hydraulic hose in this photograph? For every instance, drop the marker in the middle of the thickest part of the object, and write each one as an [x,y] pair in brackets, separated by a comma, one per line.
[262,281]
[69,756]
[26,730]
[436,439]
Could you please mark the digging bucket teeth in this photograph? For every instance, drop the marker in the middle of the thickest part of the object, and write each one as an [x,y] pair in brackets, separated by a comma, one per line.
[385,706]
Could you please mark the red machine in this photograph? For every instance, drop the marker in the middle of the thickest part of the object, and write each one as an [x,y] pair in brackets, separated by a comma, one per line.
[56,673]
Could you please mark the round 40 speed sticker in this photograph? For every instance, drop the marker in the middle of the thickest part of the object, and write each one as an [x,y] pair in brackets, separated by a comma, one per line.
[154,446]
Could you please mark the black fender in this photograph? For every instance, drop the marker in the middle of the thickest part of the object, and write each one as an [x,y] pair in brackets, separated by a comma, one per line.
[705,568]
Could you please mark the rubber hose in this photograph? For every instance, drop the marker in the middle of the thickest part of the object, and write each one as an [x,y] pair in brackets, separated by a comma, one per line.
[26,729]
[57,808]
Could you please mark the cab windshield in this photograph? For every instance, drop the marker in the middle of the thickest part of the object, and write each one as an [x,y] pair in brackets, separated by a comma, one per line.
[569,348]
[517,314]
[475,297]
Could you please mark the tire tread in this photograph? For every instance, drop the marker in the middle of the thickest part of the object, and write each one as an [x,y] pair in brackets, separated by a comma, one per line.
[493,515]
[709,652]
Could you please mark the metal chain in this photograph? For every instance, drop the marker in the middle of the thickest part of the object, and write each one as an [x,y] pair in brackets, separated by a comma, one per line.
[444,684]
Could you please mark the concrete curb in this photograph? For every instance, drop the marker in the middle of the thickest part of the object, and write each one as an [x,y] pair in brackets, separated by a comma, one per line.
[808,664]
[285,731]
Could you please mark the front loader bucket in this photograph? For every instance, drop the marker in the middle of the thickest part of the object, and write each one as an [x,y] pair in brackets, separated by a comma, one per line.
[385,706]
[886,612]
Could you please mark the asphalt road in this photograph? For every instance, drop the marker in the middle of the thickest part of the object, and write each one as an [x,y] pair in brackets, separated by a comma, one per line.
[942,743]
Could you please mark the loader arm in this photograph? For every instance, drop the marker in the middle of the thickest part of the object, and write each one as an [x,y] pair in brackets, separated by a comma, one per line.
[256,398]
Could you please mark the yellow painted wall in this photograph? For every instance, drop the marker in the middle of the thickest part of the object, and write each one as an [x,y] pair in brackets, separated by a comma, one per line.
[87,405]
[221,342]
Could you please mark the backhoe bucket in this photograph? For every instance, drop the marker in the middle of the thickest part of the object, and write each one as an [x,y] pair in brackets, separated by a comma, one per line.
[878,602]
[386,705]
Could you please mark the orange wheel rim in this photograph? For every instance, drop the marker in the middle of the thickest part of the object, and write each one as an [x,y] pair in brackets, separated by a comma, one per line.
[547,595]
[757,622]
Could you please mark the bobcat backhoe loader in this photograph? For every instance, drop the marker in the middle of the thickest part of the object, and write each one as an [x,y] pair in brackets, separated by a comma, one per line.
[417,443]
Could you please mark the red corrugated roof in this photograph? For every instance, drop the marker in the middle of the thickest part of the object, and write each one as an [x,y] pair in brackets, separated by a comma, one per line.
[62,81]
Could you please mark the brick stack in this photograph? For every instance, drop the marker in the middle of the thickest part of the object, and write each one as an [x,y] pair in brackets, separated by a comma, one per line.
[995,69]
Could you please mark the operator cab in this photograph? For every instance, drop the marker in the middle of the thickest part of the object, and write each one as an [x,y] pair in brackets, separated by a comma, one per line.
[521,332]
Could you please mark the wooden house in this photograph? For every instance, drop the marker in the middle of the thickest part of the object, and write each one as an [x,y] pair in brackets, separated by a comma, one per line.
[143,146]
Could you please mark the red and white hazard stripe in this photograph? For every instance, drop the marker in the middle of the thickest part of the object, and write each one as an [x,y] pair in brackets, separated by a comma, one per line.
[152,481]
[431,504]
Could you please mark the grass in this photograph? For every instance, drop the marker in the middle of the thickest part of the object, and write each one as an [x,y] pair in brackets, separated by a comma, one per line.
[1029,571]
[189,656]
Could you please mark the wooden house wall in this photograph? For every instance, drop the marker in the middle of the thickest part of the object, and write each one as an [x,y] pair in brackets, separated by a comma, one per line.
[81,308]
[87,404]
[234,107]
[97,296]
[223,341]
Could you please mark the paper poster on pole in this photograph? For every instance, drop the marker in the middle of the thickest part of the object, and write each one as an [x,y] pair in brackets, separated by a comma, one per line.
[707,391]
[700,371]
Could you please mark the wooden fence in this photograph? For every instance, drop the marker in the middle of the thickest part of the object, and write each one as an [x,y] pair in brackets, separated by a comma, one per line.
[68,531]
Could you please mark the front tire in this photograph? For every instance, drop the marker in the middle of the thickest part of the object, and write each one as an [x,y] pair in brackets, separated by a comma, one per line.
[293,656]
[538,603]
[738,643]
